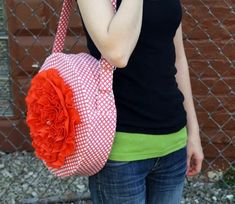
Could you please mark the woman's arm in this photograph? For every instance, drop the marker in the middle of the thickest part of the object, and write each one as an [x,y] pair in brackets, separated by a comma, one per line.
[115,35]
[195,154]
[183,80]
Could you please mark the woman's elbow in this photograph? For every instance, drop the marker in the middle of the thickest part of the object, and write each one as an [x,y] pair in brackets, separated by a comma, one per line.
[119,61]
[117,58]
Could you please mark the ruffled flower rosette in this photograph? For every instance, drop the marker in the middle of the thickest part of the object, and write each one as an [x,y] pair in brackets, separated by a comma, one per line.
[51,117]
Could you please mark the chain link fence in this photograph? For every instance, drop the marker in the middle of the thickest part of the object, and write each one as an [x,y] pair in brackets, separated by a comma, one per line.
[27,29]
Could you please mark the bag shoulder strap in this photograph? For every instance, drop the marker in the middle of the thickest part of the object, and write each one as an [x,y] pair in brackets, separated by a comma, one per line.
[62,28]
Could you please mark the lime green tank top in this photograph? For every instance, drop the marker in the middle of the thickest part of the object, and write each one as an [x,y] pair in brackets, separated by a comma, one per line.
[137,146]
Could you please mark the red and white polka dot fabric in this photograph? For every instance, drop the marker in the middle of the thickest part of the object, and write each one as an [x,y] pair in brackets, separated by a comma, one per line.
[91,82]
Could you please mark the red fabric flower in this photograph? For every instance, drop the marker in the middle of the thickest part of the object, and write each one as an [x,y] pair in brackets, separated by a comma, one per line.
[51,117]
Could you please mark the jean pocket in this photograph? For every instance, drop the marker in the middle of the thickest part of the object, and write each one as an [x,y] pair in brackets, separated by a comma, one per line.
[112,163]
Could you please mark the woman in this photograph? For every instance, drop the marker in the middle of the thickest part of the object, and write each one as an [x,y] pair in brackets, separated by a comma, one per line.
[157,138]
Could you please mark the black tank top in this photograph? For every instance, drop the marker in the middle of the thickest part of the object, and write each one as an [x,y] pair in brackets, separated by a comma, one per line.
[146,92]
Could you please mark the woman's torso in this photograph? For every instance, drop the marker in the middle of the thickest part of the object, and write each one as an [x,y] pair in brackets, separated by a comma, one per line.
[147,96]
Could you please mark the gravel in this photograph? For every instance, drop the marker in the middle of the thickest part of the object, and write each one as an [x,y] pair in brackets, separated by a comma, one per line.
[24,179]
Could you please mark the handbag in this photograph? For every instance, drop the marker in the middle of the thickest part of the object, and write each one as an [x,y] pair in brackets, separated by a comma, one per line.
[71,112]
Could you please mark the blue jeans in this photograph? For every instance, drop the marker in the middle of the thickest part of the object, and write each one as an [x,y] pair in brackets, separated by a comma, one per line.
[151,181]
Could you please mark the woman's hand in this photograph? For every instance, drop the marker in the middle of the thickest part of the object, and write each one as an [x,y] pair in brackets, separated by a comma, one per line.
[195,154]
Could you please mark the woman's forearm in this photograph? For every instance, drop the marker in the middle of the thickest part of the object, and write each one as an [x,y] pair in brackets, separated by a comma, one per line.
[115,35]
[125,27]
[184,84]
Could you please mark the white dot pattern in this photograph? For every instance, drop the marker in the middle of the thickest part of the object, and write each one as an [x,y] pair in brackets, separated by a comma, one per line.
[91,82]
